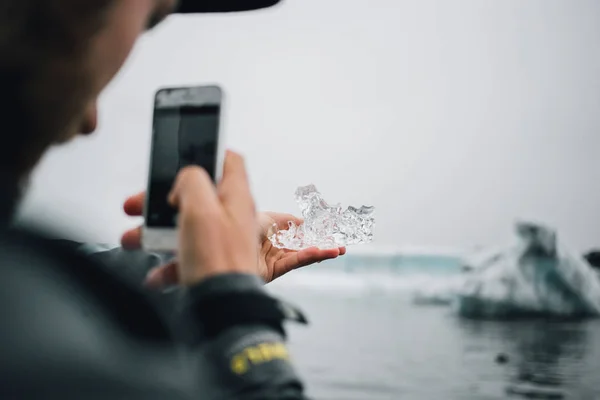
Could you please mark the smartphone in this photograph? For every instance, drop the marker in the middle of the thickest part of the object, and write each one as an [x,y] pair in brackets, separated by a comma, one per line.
[186,130]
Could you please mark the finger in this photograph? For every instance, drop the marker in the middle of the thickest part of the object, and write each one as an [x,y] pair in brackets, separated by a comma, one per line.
[193,191]
[303,258]
[342,251]
[132,239]
[234,189]
[162,276]
[314,255]
[134,205]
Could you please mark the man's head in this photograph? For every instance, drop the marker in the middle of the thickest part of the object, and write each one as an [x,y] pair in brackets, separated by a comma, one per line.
[56,56]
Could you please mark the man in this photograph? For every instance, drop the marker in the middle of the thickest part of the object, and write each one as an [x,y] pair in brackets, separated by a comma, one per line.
[72,327]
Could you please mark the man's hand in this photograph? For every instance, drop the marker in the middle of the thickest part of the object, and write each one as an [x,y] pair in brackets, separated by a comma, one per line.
[272,263]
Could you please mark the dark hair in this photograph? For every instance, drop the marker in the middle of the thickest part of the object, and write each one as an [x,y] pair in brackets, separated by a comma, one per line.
[42,47]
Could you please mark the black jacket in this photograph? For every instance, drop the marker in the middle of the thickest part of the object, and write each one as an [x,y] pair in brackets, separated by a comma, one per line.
[80,326]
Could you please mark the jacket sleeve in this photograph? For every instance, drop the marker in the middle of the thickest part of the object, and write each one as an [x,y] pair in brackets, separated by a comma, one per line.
[245,359]
[60,339]
[133,265]
[236,341]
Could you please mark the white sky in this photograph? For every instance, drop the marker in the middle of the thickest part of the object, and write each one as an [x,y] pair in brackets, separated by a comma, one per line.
[453,118]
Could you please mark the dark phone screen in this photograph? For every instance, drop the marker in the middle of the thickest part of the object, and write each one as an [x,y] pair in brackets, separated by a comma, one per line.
[182,136]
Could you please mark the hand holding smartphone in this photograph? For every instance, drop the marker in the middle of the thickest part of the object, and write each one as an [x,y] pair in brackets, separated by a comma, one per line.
[187,130]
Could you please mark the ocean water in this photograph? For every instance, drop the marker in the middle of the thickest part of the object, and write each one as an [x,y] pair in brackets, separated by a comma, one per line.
[367,340]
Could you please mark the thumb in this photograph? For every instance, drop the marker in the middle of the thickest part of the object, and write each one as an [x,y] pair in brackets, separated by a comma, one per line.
[193,188]
[163,276]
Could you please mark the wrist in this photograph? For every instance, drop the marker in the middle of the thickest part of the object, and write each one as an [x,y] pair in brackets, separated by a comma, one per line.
[224,262]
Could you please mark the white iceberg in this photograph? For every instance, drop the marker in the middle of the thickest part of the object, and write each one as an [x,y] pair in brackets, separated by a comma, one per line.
[537,276]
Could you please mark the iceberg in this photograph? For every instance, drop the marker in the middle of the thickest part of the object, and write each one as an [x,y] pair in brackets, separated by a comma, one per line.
[325,226]
[536,276]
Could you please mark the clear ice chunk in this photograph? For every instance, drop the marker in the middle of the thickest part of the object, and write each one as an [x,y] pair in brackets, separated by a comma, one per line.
[325,226]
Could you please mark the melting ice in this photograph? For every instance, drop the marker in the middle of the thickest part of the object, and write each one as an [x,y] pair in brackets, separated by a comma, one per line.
[325,226]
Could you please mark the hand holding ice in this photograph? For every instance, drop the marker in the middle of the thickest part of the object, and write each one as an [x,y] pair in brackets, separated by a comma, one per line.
[325,226]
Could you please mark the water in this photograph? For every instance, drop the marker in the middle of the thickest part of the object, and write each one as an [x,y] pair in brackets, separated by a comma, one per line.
[368,340]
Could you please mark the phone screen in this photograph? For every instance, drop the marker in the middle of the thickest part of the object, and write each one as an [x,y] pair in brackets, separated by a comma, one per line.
[184,135]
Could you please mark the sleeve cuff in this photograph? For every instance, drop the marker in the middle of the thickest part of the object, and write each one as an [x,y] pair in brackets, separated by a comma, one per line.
[226,301]
[226,284]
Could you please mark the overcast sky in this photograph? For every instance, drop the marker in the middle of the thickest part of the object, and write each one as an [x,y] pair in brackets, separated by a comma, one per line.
[452,118]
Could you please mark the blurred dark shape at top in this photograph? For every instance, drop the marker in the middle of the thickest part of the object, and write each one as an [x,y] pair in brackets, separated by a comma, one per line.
[593,258]
[202,6]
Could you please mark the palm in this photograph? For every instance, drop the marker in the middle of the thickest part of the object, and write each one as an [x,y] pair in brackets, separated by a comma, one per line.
[274,262]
